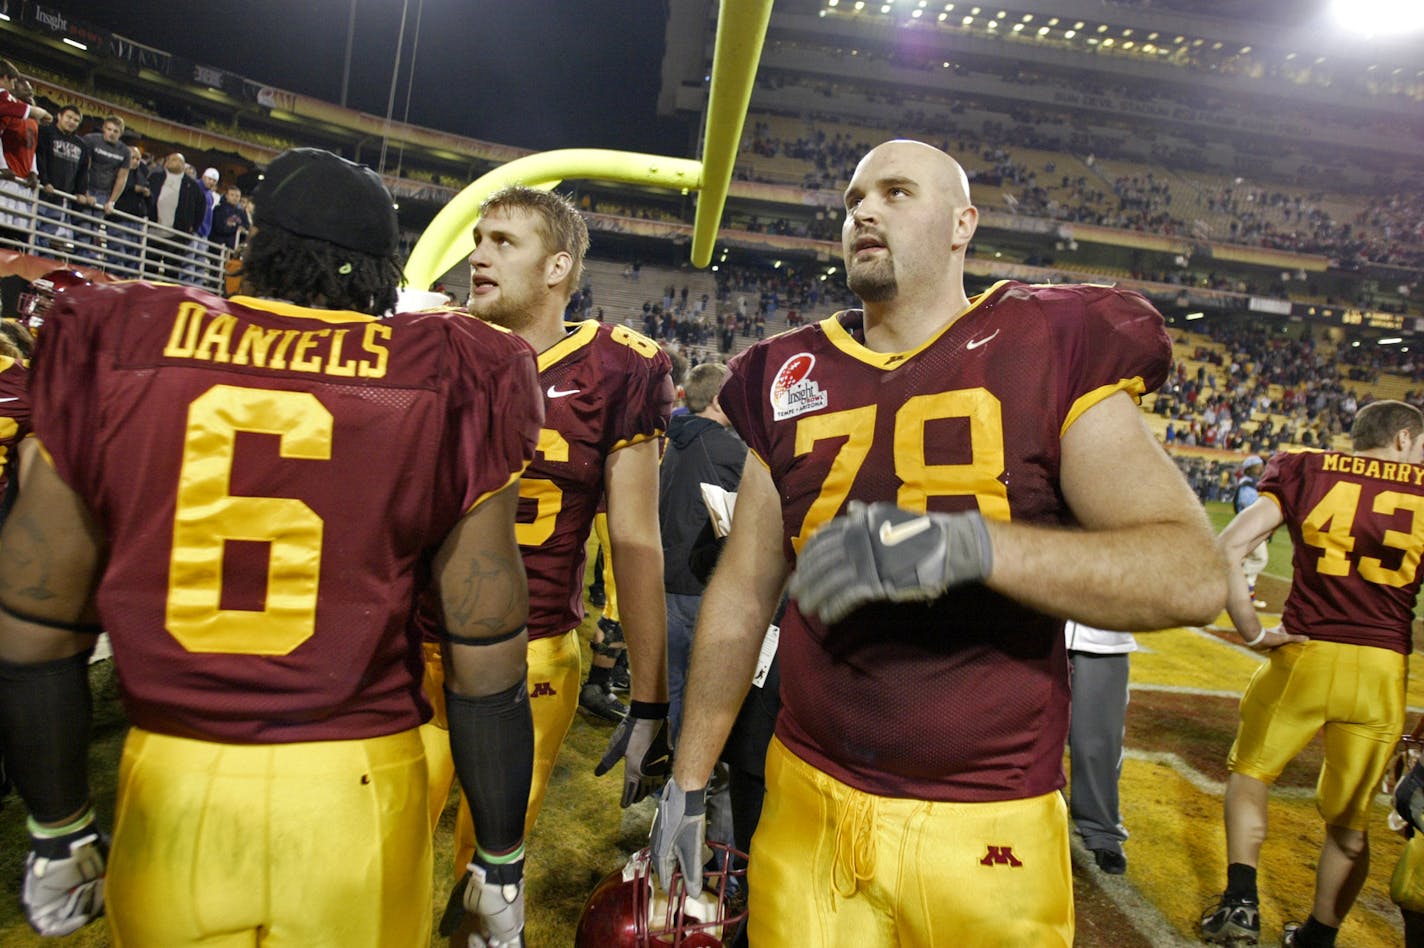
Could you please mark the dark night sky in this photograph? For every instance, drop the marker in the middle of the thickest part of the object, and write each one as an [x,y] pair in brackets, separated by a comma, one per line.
[538,74]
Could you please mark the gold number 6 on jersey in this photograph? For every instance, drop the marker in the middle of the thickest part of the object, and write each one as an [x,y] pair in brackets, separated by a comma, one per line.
[207,516]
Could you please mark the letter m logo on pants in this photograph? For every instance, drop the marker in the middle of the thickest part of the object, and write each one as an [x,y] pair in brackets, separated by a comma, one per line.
[1000,856]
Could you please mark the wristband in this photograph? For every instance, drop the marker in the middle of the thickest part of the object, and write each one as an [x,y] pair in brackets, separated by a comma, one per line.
[1260,636]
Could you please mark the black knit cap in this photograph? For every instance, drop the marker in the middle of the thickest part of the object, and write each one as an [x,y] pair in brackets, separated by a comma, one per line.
[314,193]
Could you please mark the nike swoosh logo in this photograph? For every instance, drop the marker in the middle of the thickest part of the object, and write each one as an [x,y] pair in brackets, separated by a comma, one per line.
[651,764]
[12,398]
[976,343]
[554,392]
[893,534]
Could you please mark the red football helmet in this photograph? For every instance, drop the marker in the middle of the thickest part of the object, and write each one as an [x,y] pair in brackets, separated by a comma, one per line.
[36,301]
[628,910]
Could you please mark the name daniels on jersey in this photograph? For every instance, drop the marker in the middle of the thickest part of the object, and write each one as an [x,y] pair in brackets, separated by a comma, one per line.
[1369,467]
[356,352]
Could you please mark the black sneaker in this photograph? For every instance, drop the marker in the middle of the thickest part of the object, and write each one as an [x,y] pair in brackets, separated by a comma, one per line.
[601,704]
[619,679]
[1110,861]
[1234,921]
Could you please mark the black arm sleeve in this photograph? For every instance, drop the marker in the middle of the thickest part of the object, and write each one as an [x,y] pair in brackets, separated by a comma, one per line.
[44,729]
[492,740]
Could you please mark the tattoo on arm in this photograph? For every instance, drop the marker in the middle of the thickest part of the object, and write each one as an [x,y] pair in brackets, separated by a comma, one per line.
[26,578]
[484,597]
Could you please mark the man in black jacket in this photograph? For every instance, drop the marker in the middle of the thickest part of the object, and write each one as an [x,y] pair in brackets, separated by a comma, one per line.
[177,202]
[701,448]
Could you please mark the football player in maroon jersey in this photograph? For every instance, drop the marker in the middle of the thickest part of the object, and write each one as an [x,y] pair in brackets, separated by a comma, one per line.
[608,398]
[1337,661]
[949,477]
[208,496]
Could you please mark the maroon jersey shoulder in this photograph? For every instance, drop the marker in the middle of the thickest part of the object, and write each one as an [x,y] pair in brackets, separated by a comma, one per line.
[605,388]
[1357,524]
[272,482]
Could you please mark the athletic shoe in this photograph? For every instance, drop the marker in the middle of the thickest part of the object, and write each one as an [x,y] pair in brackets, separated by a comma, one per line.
[619,679]
[595,701]
[596,596]
[1110,861]
[1234,921]
[1288,933]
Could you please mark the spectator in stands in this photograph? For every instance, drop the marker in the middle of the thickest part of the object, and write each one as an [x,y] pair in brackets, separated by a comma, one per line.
[62,160]
[108,164]
[211,177]
[230,223]
[178,204]
[19,180]
[137,196]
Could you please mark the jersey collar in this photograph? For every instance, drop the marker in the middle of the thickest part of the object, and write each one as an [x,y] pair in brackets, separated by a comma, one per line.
[846,341]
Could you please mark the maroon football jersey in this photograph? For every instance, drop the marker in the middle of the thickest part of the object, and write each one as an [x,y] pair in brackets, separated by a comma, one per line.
[273,482]
[14,415]
[1358,528]
[965,698]
[605,387]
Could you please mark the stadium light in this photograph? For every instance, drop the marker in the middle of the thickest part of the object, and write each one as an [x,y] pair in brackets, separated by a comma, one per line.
[76,44]
[1191,316]
[1384,17]
[1391,341]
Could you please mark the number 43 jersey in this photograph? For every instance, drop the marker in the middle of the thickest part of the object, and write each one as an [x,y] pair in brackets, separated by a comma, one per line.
[965,698]
[272,482]
[1358,528]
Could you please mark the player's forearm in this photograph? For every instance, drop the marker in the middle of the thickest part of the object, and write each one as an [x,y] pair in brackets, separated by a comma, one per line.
[1239,602]
[1147,576]
[638,571]
[731,625]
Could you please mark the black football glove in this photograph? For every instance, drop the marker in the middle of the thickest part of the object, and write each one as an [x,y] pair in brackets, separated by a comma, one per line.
[880,552]
[641,741]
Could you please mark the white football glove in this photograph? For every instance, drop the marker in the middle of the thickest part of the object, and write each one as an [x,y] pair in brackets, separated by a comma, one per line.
[64,879]
[880,552]
[679,828]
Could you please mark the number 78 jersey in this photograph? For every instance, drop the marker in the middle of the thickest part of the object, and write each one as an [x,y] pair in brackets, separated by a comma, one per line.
[887,700]
[1358,528]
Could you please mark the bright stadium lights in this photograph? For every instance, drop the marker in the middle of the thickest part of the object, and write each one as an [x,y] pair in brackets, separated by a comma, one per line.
[1372,17]
[1127,32]
[1043,31]
[1390,341]
[1151,37]
[942,18]
[967,21]
[974,12]
[1127,45]
[917,13]
[1070,34]
[993,24]
[1190,316]
[1078,25]
[1018,27]
[1245,50]
[859,5]
[1028,17]
[1108,41]
[1053,21]
[1102,27]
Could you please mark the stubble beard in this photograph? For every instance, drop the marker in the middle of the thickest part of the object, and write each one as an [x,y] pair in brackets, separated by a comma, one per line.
[509,313]
[873,282]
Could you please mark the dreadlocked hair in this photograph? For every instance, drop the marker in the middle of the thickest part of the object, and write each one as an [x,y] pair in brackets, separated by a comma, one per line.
[312,272]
